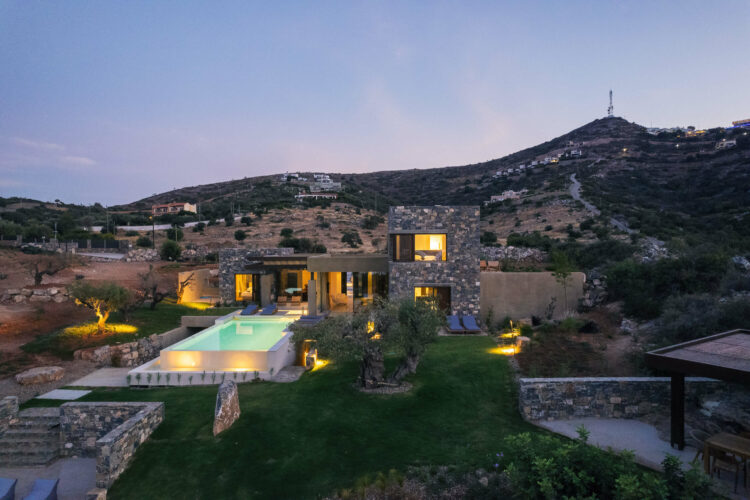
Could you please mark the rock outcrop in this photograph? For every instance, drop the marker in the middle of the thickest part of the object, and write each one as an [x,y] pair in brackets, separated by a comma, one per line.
[40,375]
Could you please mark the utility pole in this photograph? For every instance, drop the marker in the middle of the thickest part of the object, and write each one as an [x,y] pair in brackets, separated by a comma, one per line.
[611,108]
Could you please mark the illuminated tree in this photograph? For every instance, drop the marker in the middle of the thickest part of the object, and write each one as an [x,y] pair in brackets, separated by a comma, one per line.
[103,299]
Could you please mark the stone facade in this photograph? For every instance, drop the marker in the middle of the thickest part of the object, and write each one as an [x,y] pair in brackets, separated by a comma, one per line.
[111,432]
[233,261]
[603,397]
[460,270]
[8,412]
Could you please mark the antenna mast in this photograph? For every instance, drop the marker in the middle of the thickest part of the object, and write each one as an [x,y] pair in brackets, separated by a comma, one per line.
[611,108]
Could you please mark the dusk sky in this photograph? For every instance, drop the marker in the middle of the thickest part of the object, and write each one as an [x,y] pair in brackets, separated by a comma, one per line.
[114,101]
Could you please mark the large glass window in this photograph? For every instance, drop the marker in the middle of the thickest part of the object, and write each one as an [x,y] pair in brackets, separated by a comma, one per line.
[420,247]
[441,295]
[245,288]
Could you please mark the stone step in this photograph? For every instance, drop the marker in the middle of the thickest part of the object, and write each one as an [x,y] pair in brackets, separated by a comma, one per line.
[31,432]
[13,458]
[7,443]
[39,413]
[37,423]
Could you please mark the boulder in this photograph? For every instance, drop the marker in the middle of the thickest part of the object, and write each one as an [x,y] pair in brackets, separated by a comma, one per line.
[53,291]
[27,292]
[738,260]
[40,375]
[227,406]
[13,291]
[40,298]
[19,298]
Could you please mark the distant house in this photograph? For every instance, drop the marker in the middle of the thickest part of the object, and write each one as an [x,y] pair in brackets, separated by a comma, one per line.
[534,163]
[726,144]
[508,195]
[325,184]
[288,177]
[575,152]
[316,196]
[173,208]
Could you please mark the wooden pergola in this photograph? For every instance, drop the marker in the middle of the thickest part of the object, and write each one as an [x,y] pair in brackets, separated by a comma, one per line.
[724,356]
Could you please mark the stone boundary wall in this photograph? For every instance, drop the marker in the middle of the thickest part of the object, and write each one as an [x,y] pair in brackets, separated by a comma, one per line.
[8,412]
[604,397]
[23,295]
[116,449]
[144,349]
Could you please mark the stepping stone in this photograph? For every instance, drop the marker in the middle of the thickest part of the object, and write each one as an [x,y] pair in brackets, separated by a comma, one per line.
[64,394]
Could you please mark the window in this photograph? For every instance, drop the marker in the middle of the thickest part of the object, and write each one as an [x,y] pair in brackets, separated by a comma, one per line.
[419,247]
[245,287]
[441,294]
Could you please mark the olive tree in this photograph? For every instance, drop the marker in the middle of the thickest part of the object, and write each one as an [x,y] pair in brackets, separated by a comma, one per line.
[103,299]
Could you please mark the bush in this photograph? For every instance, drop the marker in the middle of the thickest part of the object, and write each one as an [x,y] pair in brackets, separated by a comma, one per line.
[351,238]
[246,220]
[228,220]
[287,232]
[198,228]
[175,233]
[372,221]
[170,250]
[144,242]
[488,238]
[689,317]
[302,245]
[131,233]
[239,235]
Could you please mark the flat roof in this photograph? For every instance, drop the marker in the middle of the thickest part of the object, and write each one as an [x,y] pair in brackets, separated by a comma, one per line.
[350,263]
[725,356]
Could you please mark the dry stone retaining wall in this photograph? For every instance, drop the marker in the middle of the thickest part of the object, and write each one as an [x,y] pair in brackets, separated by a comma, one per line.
[604,397]
[8,412]
[23,295]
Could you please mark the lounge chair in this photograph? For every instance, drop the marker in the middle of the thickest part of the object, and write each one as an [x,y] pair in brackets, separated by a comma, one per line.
[281,300]
[249,310]
[44,489]
[7,488]
[268,310]
[297,300]
[470,324]
[454,325]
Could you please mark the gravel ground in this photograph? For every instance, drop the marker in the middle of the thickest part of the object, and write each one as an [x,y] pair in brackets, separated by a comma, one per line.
[73,371]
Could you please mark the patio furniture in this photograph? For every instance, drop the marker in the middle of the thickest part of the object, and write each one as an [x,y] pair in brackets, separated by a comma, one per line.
[482,265]
[281,300]
[297,300]
[729,452]
[493,265]
[454,325]
[268,310]
[470,324]
[43,489]
[249,310]
[698,439]
[7,488]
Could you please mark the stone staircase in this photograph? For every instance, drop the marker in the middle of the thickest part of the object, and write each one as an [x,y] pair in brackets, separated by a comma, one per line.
[31,439]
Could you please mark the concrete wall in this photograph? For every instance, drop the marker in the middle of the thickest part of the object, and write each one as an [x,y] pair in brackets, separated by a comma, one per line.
[522,295]
[604,397]
[199,287]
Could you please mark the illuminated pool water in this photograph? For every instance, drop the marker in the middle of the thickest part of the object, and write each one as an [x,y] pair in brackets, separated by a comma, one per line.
[257,344]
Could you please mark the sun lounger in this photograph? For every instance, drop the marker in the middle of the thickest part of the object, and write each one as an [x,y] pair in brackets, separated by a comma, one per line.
[297,300]
[7,488]
[268,310]
[249,310]
[281,300]
[470,324]
[454,325]
[44,489]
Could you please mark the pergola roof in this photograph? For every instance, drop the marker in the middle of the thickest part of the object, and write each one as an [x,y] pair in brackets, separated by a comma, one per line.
[724,356]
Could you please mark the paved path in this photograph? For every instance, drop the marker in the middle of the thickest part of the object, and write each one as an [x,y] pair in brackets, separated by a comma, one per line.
[104,377]
[622,434]
[77,476]
[289,374]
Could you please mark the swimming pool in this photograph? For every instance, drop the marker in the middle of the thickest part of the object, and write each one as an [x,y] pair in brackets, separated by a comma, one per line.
[239,344]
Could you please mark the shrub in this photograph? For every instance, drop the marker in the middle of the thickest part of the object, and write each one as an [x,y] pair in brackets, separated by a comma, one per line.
[372,221]
[144,242]
[246,220]
[287,232]
[198,228]
[351,238]
[131,233]
[302,245]
[170,250]
[175,233]
[689,317]
[488,238]
[228,220]
[239,235]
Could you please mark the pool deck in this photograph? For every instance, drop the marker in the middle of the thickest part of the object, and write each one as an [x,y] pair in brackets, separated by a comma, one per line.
[104,377]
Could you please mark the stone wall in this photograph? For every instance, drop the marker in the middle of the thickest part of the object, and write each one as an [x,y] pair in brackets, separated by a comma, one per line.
[144,349]
[604,397]
[526,294]
[111,432]
[515,254]
[41,294]
[460,270]
[115,450]
[233,261]
[8,412]
[142,255]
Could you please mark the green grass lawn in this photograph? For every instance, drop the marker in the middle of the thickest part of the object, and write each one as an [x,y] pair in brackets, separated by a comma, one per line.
[143,322]
[309,438]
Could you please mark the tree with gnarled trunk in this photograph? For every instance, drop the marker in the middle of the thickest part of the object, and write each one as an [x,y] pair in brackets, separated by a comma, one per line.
[48,265]
[149,288]
[182,286]
[403,326]
[103,299]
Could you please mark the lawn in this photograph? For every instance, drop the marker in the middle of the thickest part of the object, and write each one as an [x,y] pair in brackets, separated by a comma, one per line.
[142,323]
[309,438]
